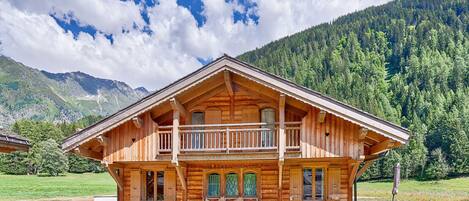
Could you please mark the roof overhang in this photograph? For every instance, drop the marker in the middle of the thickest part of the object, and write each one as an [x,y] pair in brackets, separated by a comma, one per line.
[250,72]
[9,143]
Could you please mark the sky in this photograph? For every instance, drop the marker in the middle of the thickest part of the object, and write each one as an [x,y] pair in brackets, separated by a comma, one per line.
[151,43]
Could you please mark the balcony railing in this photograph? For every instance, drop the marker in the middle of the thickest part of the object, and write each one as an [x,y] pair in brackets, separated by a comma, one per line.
[230,137]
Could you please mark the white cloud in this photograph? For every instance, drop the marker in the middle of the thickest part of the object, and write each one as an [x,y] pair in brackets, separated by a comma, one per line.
[31,36]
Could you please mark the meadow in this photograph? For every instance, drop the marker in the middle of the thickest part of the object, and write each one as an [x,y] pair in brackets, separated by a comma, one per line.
[84,186]
[68,187]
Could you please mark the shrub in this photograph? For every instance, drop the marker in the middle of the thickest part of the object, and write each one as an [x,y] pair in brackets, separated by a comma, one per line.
[16,163]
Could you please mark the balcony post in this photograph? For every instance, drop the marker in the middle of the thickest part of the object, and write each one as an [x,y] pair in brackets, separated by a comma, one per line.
[281,128]
[227,140]
[175,136]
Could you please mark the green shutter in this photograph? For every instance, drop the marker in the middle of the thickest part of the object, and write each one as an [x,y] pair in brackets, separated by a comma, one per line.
[250,184]
[231,185]
[214,185]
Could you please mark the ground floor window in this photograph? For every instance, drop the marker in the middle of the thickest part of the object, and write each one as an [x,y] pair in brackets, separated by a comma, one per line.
[213,185]
[250,185]
[231,184]
[154,186]
[313,184]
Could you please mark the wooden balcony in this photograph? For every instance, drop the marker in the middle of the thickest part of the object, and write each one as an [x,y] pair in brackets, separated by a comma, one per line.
[229,138]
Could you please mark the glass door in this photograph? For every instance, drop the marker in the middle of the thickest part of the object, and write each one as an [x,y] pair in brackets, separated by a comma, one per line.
[267,136]
[197,138]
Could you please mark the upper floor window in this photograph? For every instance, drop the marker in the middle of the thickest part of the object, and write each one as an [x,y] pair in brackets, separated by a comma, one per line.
[213,185]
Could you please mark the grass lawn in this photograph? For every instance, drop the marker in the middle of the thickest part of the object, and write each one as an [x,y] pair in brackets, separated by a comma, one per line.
[451,189]
[45,188]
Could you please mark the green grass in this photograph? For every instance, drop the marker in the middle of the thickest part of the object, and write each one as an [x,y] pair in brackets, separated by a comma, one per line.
[451,189]
[26,187]
[87,185]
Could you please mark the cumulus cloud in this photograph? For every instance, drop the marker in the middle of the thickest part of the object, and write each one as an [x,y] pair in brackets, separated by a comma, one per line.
[30,34]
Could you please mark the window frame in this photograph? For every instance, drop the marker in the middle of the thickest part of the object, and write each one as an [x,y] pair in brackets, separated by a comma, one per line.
[219,185]
[257,185]
[237,183]
[225,171]
[155,171]
[313,181]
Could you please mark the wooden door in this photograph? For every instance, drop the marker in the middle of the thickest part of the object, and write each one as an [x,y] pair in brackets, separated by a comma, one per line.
[135,185]
[295,184]
[170,185]
[334,184]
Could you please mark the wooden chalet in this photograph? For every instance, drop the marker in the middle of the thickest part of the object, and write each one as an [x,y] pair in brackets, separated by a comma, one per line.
[232,132]
[10,142]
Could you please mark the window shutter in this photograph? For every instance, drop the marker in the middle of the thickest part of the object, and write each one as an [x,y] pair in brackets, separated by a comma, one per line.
[295,184]
[135,185]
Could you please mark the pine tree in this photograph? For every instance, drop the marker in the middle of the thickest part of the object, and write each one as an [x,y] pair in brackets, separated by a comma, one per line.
[437,167]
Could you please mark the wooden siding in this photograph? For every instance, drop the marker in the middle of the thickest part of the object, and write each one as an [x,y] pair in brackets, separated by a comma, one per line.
[129,143]
[335,137]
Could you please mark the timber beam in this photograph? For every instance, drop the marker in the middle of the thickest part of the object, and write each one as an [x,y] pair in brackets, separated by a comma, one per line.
[228,82]
[353,173]
[322,116]
[177,106]
[282,137]
[112,169]
[382,147]
[180,174]
[103,140]
[280,176]
[363,133]
[364,168]
[137,121]
[88,153]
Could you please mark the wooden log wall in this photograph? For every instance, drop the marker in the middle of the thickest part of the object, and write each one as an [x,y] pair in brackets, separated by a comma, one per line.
[336,184]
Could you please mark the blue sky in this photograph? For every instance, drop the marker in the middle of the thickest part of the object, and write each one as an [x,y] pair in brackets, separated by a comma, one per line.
[147,42]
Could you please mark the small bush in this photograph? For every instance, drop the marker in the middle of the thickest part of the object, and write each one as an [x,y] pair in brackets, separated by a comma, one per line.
[16,163]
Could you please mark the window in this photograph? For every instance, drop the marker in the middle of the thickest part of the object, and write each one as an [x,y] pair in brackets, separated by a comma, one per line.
[307,184]
[313,184]
[319,184]
[197,138]
[268,117]
[150,186]
[231,185]
[153,184]
[160,186]
[213,185]
[250,185]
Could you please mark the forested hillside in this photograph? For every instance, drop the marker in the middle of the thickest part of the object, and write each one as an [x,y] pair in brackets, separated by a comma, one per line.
[406,61]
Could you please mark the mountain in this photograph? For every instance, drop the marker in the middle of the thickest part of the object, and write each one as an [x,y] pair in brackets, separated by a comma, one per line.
[406,61]
[28,93]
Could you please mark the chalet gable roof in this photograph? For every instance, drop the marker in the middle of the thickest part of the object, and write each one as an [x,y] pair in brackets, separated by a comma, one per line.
[246,70]
[12,139]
